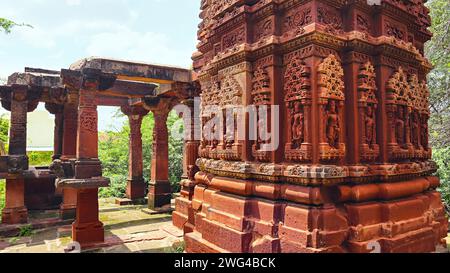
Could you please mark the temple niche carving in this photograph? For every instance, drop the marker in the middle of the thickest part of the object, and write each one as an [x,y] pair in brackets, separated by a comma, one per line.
[368,106]
[220,107]
[298,100]
[261,93]
[408,115]
[332,97]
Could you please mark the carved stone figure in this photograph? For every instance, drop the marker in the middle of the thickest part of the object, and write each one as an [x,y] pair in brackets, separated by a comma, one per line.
[297,125]
[370,126]
[333,125]
[415,129]
[400,126]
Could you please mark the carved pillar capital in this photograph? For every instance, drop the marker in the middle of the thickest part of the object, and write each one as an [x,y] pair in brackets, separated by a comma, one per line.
[134,111]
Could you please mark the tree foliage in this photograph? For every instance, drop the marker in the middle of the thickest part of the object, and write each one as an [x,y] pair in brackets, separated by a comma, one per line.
[114,154]
[438,51]
[7,25]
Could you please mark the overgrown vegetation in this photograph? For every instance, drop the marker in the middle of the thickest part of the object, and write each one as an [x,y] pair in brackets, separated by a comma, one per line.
[438,51]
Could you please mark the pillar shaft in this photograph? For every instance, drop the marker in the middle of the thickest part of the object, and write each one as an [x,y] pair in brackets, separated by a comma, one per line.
[69,142]
[87,137]
[136,184]
[160,193]
[58,136]
[18,128]
[69,146]
[87,229]
[15,211]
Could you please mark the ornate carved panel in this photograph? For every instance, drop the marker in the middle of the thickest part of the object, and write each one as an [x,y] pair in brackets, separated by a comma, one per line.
[367,107]
[298,99]
[332,97]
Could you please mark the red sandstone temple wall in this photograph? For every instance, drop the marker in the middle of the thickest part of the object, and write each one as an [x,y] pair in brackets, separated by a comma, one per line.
[353,165]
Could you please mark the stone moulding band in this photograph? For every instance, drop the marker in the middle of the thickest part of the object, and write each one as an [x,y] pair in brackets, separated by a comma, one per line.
[313,174]
[90,183]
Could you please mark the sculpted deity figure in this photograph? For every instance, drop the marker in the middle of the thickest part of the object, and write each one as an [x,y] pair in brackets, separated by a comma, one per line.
[333,125]
[415,129]
[424,133]
[370,126]
[297,125]
[400,126]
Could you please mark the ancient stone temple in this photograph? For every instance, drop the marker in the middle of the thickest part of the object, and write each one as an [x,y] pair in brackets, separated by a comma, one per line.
[72,181]
[345,83]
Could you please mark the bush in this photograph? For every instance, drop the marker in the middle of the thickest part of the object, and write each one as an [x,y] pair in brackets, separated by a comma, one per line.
[442,158]
[117,188]
[40,158]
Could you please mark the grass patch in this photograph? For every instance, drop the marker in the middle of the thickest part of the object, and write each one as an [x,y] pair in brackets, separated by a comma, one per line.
[26,231]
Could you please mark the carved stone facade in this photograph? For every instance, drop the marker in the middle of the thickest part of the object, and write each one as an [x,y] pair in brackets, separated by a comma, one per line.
[353,162]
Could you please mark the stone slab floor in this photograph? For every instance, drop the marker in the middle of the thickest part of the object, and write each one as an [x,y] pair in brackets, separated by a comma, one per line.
[128,229]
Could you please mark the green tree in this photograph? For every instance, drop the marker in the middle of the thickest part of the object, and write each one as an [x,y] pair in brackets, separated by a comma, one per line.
[438,51]
[6,25]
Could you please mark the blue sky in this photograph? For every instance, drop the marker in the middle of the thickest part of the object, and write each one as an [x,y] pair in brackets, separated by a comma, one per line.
[158,31]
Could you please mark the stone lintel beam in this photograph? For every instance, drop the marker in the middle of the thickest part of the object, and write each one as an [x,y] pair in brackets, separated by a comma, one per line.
[35,79]
[104,100]
[131,89]
[88,183]
[136,71]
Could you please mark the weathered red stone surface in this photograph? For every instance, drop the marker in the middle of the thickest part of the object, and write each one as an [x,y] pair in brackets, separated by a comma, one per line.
[135,185]
[353,165]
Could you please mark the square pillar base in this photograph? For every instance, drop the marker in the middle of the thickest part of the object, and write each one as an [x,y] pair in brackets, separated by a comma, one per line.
[88,234]
[156,201]
[136,189]
[159,194]
[13,216]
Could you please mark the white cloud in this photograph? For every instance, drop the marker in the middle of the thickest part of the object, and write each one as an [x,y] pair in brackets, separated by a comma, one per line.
[132,45]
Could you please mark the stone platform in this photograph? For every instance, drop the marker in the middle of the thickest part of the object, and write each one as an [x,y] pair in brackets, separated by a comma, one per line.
[127,230]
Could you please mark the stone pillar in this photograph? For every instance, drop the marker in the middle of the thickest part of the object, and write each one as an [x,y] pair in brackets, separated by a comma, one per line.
[160,192]
[15,211]
[87,229]
[69,150]
[136,184]
[58,111]
[183,217]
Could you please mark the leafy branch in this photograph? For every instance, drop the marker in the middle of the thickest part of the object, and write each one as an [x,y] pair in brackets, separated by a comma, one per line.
[7,25]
